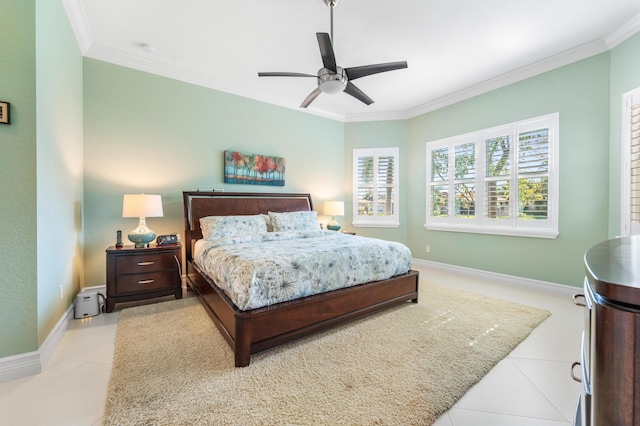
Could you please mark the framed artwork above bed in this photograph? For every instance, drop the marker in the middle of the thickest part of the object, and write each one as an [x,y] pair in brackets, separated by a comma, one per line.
[253,169]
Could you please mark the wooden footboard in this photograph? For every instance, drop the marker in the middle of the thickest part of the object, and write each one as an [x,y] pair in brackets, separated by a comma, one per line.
[252,331]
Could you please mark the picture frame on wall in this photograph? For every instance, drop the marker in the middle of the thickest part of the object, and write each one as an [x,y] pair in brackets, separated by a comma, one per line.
[253,169]
[5,117]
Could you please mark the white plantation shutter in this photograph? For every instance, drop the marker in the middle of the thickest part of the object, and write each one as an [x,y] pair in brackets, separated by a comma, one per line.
[497,182]
[634,164]
[364,185]
[630,179]
[439,178]
[386,185]
[375,192]
[465,177]
[503,180]
[533,173]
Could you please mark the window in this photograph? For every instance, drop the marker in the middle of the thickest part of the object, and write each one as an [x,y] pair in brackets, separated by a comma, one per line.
[471,179]
[375,187]
[631,163]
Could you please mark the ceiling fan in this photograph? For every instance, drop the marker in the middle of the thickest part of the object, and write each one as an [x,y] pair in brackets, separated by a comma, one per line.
[332,78]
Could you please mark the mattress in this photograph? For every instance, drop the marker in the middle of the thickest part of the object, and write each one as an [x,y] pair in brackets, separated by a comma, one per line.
[264,269]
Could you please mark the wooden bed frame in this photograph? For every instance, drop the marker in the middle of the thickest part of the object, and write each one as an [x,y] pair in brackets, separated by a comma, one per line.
[251,331]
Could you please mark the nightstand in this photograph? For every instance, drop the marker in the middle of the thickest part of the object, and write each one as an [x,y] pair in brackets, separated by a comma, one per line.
[143,273]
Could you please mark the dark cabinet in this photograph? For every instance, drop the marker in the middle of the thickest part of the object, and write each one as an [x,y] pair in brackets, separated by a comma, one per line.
[143,273]
[611,340]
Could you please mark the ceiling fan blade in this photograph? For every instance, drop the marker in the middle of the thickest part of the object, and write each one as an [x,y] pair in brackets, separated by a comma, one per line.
[284,74]
[310,98]
[326,50]
[357,93]
[357,72]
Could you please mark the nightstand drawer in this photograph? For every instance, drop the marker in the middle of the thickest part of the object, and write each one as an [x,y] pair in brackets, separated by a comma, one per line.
[135,283]
[145,263]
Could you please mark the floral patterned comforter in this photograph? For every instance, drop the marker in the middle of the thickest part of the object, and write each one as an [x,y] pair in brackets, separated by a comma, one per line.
[264,269]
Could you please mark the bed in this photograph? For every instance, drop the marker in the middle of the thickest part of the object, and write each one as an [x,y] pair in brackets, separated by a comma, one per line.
[248,329]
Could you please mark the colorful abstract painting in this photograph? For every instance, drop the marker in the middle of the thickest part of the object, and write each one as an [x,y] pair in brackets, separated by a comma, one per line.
[253,169]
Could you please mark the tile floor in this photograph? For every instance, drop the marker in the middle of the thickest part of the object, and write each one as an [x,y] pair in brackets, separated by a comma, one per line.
[530,387]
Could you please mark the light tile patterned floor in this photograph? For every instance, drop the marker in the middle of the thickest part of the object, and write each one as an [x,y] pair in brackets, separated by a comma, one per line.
[531,387]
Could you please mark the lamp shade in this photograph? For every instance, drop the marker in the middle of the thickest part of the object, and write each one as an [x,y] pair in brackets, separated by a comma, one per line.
[142,205]
[334,208]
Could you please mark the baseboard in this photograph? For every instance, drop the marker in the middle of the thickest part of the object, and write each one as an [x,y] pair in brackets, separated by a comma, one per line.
[30,363]
[55,336]
[21,365]
[560,289]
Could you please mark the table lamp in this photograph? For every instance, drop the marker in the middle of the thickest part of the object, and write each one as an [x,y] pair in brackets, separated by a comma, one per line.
[333,209]
[142,206]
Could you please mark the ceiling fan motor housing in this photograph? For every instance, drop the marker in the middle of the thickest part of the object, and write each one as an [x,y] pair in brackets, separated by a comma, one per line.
[332,82]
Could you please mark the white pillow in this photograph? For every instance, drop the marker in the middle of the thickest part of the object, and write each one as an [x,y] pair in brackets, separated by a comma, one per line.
[294,221]
[214,227]
[267,220]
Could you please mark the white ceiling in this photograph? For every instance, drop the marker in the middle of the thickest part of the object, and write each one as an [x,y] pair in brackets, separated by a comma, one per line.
[454,48]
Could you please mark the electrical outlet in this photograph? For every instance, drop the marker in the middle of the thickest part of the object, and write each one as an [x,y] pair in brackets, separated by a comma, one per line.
[61,291]
[428,249]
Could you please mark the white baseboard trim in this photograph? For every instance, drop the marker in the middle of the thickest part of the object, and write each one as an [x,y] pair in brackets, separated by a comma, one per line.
[30,363]
[21,365]
[560,289]
[55,336]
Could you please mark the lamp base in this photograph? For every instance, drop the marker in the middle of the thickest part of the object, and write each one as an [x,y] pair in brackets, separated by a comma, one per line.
[142,235]
[333,225]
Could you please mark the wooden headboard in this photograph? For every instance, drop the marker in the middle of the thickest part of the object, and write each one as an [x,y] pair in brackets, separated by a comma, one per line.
[198,204]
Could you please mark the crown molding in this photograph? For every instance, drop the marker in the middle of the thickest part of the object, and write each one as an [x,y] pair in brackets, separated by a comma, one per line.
[376,116]
[117,57]
[565,58]
[78,21]
[89,48]
[625,31]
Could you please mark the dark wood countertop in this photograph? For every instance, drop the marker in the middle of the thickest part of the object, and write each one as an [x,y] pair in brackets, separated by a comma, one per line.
[613,269]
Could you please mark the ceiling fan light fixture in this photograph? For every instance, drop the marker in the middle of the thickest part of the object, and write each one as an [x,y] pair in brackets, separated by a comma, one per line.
[330,82]
[331,78]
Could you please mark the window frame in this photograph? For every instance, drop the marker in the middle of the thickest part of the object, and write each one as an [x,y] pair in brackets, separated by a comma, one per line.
[391,221]
[479,223]
[627,226]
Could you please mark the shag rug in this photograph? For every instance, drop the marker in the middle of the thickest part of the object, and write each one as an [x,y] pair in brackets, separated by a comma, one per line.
[405,365]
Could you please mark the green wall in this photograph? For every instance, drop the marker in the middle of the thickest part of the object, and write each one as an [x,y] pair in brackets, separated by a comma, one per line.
[18,262]
[193,125]
[580,93]
[380,134]
[59,164]
[40,170]
[145,133]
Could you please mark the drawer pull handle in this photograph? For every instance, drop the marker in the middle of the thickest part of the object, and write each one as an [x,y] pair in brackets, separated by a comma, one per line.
[145,281]
[573,376]
[145,263]
[579,296]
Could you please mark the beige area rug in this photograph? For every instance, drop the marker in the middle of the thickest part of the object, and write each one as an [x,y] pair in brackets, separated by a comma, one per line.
[403,366]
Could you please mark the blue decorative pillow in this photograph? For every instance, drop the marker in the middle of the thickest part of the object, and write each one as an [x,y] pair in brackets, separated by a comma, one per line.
[294,221]
[215,227]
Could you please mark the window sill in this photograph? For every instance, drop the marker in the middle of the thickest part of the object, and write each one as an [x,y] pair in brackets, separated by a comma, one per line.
[375,225]
[510,232]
